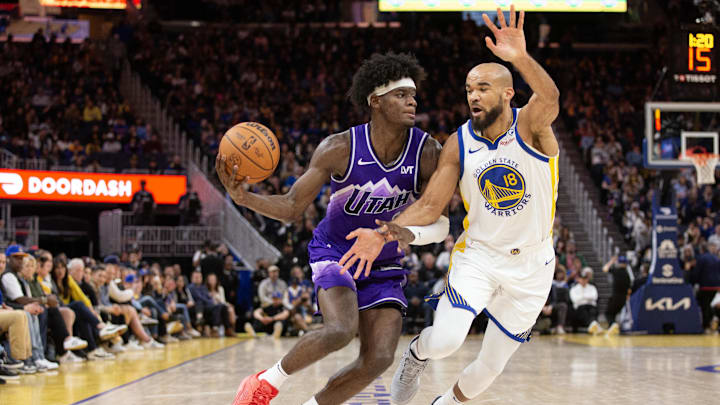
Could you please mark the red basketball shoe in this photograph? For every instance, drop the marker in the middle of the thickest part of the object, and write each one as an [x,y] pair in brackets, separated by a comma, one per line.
[254,391]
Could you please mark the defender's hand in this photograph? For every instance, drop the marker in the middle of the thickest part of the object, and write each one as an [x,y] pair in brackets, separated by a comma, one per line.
[509,39]
[366,249]
[393,232]
[234,187]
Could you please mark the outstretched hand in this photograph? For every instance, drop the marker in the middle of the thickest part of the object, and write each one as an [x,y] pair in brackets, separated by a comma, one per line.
[229,180]
[370,243]
[364,251]
[509,39]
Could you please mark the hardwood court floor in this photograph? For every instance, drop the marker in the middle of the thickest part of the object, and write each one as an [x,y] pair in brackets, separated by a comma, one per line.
[574,369]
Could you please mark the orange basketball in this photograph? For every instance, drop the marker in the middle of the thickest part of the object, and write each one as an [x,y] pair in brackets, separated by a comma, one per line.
[253,148]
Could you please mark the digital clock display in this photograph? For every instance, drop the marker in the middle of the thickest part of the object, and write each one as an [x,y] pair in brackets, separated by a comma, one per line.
[700,49]
[693,63]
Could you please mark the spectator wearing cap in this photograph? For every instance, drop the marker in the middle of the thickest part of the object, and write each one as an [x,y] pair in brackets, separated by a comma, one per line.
[270,319]
[584,298]
[706,275]
[621,275]
[271,285]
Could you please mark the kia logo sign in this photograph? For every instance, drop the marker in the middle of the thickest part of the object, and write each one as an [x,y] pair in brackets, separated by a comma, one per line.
[11,183]
[87,187]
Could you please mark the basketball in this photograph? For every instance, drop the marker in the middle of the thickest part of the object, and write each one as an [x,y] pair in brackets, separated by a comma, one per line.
[253,148]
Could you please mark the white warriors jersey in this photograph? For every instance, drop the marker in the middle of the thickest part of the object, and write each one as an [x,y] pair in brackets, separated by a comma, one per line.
[509,190]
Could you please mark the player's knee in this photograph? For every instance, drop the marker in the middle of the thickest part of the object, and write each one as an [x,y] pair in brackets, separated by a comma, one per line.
[377,363]
[442,344]
[337,337]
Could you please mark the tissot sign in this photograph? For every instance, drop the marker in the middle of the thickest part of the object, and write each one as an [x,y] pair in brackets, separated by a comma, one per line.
[87,187]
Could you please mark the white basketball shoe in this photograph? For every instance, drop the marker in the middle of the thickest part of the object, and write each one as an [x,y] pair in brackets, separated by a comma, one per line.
[406,380]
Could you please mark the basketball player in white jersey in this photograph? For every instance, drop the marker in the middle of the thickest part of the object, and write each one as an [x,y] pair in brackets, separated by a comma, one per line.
[506,162]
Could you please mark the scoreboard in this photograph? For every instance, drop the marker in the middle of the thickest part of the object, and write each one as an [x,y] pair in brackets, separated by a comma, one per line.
[694,62]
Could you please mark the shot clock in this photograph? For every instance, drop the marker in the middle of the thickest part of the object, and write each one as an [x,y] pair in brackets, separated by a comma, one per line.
[694,64]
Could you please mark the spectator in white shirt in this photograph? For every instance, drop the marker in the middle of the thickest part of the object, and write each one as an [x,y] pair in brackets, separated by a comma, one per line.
[271,285]
[584,298]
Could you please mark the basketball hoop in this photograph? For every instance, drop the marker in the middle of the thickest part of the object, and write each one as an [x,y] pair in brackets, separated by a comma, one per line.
[704,163]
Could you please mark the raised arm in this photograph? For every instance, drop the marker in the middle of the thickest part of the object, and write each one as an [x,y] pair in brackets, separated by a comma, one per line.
[329,158]
[541,110]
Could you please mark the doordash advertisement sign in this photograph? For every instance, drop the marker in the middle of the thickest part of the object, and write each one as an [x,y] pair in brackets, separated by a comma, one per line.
[78,187]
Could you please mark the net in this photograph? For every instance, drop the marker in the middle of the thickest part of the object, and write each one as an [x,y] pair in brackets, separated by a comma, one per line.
[705,164]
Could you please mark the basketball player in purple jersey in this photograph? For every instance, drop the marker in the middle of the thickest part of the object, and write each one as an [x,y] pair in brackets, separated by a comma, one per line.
[375,170]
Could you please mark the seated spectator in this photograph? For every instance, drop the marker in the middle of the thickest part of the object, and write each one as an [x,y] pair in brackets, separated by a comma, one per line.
[214,314]
[298,301]
[15,324]
[270,319]
[429,270]
[271,285]
[40,313]
[183,296]
[217,292]
[584,298]
[121,314]
[418,312]
[71,343]
[443,260]
[572,261]
[89,323]
[170,297]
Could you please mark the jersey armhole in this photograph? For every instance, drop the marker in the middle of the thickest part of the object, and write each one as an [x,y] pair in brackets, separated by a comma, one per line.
[351,161]
[418,165]
[461,148]
[530,150]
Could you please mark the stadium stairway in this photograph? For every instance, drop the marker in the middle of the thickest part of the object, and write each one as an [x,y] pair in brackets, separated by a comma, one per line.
[566,209]
[569,218]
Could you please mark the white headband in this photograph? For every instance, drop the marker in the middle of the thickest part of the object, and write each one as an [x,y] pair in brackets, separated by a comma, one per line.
[382,90]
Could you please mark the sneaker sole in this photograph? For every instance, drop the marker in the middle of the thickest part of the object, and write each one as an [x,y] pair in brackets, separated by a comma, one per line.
[10,377]
[80,347]
[12,366]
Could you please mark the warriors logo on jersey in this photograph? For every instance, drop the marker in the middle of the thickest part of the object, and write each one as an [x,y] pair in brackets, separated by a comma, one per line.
[503,187]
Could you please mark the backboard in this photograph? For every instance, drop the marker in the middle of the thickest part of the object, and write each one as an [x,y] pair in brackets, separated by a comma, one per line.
[674,128]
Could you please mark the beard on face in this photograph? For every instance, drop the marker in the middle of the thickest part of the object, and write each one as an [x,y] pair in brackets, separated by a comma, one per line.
[490,117]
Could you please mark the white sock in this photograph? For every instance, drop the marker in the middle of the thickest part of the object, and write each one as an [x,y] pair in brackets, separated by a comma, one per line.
[448,398]
[275,375]
[312,401]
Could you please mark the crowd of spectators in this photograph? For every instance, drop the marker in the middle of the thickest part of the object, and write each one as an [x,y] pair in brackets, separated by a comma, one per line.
[61,104]
[60,310]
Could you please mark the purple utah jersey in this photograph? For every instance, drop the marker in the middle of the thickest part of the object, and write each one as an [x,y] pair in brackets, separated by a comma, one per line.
[368,191]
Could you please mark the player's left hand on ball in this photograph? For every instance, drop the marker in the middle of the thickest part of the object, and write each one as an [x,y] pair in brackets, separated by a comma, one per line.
[364,251]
